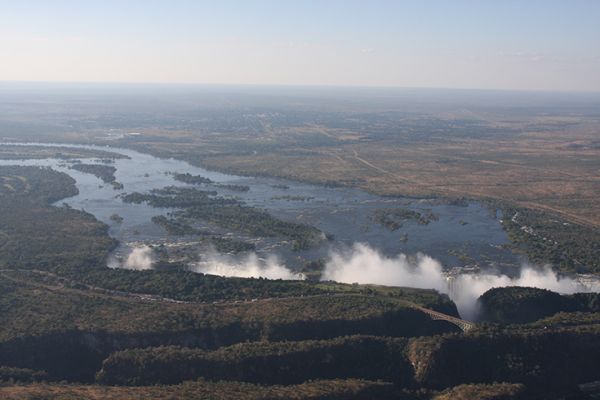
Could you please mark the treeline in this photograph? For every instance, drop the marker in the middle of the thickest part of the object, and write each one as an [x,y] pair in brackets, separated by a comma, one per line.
[270,363]
[347,389]
[177,197]
[22,375]
[34,185]
[176,282]
[194,287]
[199,179]
[517,305]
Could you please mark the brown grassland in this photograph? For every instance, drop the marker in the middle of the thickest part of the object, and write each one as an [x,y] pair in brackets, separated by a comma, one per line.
[543,164]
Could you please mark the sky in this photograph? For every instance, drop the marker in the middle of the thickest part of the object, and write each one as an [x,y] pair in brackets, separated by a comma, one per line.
[509,45]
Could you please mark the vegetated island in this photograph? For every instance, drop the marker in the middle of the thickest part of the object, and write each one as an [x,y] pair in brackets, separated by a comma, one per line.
[199,180]
[191,179]
[228,213]
[292,198]
[101,171]
[395,218]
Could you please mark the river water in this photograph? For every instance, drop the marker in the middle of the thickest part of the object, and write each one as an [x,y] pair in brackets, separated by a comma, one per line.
[463,235]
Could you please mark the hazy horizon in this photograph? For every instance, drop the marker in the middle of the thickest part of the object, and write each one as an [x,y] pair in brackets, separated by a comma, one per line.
[533,46]
[283,86]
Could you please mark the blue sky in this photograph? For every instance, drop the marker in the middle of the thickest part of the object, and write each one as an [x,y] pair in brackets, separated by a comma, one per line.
[540,45]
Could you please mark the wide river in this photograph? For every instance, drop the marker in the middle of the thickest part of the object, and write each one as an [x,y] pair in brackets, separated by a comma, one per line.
[463,235]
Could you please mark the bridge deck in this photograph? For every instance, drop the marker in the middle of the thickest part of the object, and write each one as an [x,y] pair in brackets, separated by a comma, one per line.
[436,315]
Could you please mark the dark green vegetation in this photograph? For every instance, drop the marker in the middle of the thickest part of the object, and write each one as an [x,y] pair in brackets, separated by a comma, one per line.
[394,218]
[101,171]
[174,282]
[22,375]
[231,214]
[516,305]
[104,172]
[34,185]
[545,237]
[234,188]
[34,234]
[191,179]
[178,197]
[177,283]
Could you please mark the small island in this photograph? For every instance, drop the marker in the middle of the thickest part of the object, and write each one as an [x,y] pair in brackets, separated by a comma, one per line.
[116,218]
[394,218]
[191,179]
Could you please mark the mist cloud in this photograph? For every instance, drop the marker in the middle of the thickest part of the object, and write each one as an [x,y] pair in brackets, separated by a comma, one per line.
[466,288]
[140,258]
[248,267]
[362,264]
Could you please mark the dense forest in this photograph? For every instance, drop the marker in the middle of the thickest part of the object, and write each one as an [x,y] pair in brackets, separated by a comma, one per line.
[34,234]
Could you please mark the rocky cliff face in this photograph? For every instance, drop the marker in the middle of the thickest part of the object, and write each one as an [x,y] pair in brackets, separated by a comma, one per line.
[554,358]
[76,355]
[518,305]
